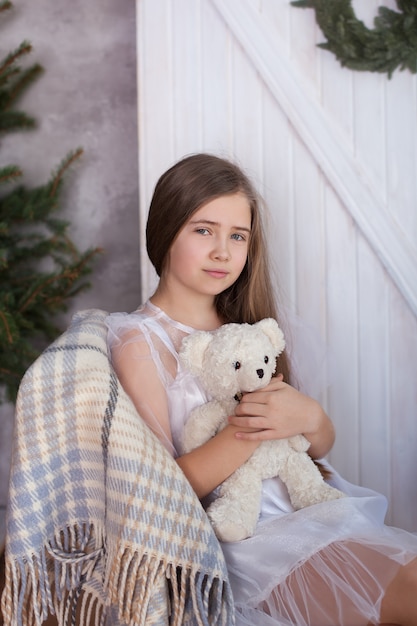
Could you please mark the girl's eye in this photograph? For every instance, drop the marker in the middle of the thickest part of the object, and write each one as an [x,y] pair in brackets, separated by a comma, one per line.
[202,231]
[266,359]
[236,365]
[238,237]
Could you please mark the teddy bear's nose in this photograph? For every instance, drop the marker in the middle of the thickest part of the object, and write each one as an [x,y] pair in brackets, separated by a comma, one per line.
[260,373]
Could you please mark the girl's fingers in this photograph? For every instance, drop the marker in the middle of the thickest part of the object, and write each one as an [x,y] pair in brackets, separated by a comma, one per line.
[248,422]
[259,435]
[247,409]
[263,395]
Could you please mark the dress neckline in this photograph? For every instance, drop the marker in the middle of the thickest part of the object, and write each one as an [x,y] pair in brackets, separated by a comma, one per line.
[161,314]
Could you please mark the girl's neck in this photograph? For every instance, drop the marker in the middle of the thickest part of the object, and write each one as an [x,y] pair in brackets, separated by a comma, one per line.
[197,312]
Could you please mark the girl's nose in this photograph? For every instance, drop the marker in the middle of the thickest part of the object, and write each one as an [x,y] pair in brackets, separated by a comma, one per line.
[222,255]
[221,251]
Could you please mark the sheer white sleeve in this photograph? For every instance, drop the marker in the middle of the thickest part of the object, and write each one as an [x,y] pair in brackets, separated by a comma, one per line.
[136,355]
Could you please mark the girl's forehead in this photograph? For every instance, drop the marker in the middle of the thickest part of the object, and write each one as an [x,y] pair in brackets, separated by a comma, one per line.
[226,208]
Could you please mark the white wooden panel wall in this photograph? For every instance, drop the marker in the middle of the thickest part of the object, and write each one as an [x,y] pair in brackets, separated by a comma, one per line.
[334,154]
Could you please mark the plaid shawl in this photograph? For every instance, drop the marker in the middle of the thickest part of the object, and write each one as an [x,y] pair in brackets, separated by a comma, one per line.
[102,526]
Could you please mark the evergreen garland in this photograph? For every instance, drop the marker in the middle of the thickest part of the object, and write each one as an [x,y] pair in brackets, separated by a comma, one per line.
[40,267]
[390,45]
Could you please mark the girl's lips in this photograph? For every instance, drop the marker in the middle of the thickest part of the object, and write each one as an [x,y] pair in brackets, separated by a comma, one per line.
[216,273]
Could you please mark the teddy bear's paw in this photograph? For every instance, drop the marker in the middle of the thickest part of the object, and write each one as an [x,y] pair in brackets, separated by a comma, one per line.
[228,522]
[315,496]
[230,531]
[299,443]
[331,493]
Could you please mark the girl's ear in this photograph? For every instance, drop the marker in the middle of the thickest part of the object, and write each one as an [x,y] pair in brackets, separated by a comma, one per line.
[270,327]
[192,351]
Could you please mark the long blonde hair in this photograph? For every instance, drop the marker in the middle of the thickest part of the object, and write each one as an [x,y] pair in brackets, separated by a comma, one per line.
[182,190]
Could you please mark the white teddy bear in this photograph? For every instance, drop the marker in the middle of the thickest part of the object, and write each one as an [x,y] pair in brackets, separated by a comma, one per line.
[234,359]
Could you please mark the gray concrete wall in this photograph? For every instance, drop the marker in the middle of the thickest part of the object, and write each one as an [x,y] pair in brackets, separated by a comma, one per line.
[87,98]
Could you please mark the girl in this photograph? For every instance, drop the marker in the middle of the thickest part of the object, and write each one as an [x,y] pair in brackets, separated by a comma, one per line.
[330,564]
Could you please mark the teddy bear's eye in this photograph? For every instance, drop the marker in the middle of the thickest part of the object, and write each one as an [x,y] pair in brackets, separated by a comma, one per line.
[236,365]
[266,359]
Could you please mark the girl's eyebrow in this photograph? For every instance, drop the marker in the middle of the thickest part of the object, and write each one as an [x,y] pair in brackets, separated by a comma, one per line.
[211,223]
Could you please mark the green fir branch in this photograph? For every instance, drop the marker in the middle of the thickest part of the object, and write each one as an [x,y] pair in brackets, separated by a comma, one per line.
[390,45]
[5,5]
[14,82]
[7,75]
[19,85]
[24,48]
[15,120]
[41,268]
[10,173]
[56,181]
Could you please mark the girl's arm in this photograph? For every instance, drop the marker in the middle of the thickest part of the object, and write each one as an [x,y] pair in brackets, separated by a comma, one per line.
[138,374]
[205,467]
[279,411]
[210,464]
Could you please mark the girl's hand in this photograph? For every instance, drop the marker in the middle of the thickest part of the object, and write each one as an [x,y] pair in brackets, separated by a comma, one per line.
[279,411]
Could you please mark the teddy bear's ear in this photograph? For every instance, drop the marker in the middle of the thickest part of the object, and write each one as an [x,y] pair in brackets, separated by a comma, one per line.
[270,327]
[192,350]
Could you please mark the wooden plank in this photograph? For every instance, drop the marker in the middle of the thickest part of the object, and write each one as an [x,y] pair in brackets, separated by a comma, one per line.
[216,91]
[374,372]
[337,102]
[246,120]
[155,83]
[369,127]
[279,14]
[401,165]
[187,77]
[342,324]
[403,413]
[278,183]
[310,262]
[304,53]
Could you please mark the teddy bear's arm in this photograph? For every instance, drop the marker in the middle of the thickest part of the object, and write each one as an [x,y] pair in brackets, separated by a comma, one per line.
[204,422]
[299,443]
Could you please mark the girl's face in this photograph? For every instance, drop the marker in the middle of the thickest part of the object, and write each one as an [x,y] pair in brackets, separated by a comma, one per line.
[210,251]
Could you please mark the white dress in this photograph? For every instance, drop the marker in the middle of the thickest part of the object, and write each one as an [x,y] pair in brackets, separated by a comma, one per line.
[325,565]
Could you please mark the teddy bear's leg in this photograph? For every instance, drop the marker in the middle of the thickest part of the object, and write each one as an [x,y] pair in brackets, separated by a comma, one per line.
[235,513]
[304,481]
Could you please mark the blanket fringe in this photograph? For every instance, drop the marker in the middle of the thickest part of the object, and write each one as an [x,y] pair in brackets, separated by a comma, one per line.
[193,597]
[42,584]
[60,581]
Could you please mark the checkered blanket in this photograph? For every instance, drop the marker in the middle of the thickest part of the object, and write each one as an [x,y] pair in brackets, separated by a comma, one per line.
[102,526]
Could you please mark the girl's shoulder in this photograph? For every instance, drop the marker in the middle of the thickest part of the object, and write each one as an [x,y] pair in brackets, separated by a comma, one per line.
[147,322]
[128,320]
[123,325]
